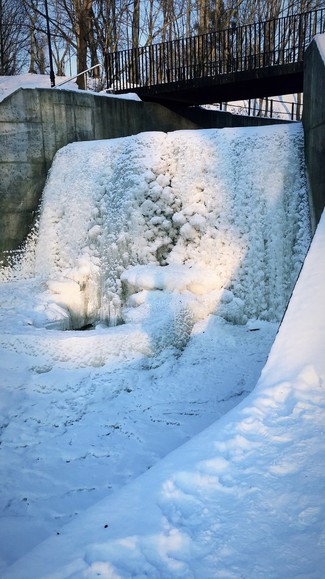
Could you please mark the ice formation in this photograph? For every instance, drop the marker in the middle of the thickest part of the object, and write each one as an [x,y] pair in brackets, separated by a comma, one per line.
[216,220]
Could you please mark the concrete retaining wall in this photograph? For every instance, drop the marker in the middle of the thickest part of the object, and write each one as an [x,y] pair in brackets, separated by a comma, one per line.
[314,123]
[209,118]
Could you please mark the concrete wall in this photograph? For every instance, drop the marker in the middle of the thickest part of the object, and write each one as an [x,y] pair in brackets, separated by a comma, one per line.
[209,118]
[35,123]
[314,123]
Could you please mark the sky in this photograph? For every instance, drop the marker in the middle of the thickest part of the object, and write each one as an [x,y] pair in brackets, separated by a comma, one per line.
[157,418]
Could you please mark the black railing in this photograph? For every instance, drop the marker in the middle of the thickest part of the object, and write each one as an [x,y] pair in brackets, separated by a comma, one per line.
[265,108]
[262,44]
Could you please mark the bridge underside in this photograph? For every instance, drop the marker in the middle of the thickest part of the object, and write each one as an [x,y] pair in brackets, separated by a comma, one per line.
[261,82]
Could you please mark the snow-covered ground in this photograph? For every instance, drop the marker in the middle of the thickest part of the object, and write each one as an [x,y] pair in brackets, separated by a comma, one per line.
[191,242]
[244,498]
[9,84]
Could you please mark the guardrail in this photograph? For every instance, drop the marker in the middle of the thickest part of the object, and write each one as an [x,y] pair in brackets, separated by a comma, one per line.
[261,44]
[266,108]
[83,73]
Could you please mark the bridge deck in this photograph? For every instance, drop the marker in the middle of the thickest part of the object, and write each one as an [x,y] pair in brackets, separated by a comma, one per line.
[270,81]
[257,60]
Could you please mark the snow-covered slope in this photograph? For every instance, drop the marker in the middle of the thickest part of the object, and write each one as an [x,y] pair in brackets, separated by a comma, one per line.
[245,498]
[194,241]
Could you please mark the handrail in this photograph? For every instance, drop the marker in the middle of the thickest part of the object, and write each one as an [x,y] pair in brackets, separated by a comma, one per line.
[84,72]
[273,42]
[269,109]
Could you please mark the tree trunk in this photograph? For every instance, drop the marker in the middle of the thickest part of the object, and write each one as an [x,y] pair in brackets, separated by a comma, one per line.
[83,10]
[204,18]
[135,42]
[136,24]
[32,54]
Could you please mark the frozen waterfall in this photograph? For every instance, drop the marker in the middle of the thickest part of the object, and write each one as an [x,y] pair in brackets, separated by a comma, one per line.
[218,219]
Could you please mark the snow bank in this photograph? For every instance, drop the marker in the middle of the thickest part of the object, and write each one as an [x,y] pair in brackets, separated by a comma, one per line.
[166,233]
[242,499]
[9,84]
[216,213]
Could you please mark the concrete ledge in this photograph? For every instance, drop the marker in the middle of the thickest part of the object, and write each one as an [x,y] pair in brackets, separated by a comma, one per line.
[314,123]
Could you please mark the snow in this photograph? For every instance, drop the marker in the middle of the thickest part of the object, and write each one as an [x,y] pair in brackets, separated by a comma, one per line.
[124,452]
[244,498]
[9,84]
[320,41]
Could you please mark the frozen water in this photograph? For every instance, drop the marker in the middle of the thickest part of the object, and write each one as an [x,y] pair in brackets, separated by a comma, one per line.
[219,213]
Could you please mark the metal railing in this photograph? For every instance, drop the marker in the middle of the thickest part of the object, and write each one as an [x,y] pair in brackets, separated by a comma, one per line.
[261,44]
[83,73]
[265,108]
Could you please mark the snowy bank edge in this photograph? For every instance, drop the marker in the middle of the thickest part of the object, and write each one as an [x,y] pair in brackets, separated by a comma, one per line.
[134,510]
[11,84]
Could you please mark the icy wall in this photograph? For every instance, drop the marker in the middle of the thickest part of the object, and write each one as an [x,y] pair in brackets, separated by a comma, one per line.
[225,212]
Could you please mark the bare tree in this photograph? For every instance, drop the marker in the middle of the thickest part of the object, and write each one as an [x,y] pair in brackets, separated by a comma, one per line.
[13,40]
[37,43]
[82,15]
[91,29]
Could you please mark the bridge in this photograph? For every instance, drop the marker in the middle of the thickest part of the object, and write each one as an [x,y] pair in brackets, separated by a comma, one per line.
[256,60]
